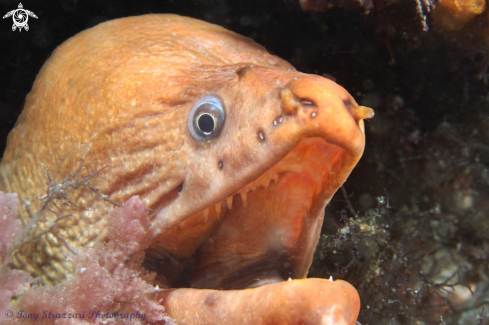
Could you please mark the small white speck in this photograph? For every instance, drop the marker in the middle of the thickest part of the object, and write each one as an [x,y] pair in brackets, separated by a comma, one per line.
[146,124]
[314,114]
[331,278]
[289,279]
[280,120]
[275,122]
[317,125]
[83,269]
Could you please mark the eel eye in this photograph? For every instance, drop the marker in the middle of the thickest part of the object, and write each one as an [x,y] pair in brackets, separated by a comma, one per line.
[206,118]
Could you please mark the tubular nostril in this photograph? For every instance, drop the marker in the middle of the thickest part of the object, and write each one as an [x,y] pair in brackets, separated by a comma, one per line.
[290,101]
[243,71]
[362,112]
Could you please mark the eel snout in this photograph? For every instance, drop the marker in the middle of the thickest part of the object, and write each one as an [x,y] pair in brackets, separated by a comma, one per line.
[323,108]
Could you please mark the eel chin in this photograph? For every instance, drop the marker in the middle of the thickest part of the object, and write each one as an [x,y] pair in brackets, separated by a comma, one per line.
[266,232]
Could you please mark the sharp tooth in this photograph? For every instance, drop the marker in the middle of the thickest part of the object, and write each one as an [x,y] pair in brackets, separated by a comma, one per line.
[206,214]
[275,177]
[244,198]
[218,208]
[229,202]
[270,173]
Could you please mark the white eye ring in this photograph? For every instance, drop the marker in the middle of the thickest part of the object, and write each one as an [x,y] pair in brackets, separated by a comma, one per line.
[206,118]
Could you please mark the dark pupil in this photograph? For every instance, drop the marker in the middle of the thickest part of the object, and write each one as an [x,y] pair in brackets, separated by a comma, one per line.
[206,123]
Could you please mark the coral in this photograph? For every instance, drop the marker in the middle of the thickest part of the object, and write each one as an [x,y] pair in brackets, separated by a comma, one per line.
[387,266]
[128,224]
[12,282]
[10,225]
[108,283]
[420,256]
[454,14]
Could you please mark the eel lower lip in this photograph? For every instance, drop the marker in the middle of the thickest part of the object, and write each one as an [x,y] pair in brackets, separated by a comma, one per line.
[266,231]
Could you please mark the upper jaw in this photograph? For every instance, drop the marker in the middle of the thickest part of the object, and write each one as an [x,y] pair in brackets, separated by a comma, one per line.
[330,117]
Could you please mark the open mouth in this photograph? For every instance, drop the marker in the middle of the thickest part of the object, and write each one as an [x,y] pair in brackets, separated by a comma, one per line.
[265,232]
[310,161]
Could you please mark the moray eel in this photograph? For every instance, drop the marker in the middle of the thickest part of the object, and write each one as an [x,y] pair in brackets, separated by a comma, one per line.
[235,151]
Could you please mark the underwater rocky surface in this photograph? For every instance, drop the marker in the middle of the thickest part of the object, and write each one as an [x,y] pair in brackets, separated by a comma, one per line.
[413,236]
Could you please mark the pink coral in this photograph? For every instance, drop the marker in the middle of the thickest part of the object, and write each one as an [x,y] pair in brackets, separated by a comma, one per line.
[11,282]
[108,282]
[10,225]
[128,230]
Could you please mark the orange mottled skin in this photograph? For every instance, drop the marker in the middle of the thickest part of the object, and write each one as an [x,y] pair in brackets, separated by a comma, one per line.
[119,94]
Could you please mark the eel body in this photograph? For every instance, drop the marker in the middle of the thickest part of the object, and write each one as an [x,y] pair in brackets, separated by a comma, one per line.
[234,151]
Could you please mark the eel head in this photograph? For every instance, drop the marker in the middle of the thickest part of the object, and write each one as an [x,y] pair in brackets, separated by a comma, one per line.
[264,167]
